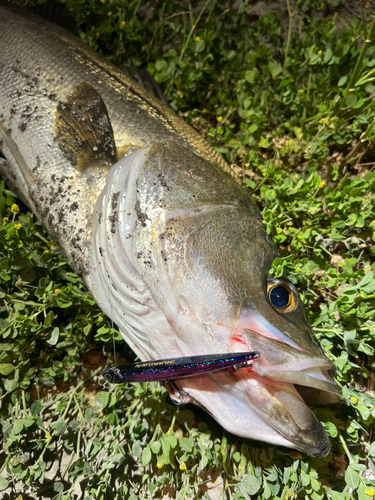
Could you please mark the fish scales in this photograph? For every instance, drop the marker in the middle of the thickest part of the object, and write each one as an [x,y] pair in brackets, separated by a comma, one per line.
[30,90]
[170,245]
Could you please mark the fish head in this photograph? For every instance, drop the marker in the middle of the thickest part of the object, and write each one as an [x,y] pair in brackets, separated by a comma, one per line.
[200,246]
[220,277]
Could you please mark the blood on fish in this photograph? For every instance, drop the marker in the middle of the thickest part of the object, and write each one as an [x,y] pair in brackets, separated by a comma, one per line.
[239,339]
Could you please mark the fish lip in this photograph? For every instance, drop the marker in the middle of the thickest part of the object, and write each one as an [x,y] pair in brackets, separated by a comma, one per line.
[296,367]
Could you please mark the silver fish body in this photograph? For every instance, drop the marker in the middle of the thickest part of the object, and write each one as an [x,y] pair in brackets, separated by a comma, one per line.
[169,244]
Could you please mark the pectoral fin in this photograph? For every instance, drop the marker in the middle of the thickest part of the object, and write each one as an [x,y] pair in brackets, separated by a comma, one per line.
[83,129]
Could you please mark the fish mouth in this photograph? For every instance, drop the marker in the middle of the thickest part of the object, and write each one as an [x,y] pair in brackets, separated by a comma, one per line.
[286,380]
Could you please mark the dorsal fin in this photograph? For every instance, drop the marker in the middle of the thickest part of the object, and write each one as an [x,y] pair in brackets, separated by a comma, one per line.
[83,130]
[145,80]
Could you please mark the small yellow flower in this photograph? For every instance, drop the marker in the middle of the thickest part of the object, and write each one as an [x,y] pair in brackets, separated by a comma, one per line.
[159,465]
[197,39]
[320,52]
[298,269]
[324,121]
[353,400]
[15,209]
[57,292]
[370,492]
[20,497]
[289,494]
[17,226]
[322,184]
[367,6]
[219,119]
[15,461]
[182,466]
[367,268]
[46,251]
[122,25]
[48,436]
[294,454]
[6,220]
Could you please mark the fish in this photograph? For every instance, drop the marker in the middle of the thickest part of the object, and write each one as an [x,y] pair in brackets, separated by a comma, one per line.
[168,241]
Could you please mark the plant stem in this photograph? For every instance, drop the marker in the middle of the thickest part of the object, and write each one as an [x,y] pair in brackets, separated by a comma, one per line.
[358,67]
[291,15]
[5,463]
[349,455]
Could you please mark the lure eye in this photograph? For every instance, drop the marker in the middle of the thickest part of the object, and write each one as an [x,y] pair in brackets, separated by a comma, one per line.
[281,297]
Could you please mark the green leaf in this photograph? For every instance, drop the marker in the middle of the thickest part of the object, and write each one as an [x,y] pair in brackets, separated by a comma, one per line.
[250,484]
[35,408]
[49,318]
[186,444]
[59,426]
[10,385]
[6,369]
[172,440]
[54,336]
[270,194]
[250,76]
[366,280]
[146,456]
[305,479]
[275,69]
[155,447]
[17,427]
[330,428]
[250,183]
[63,303]
[336,495]
[102,399]
[58,487]
[3,484]
[161,64]
[199,46]
[264,143]
[352,478]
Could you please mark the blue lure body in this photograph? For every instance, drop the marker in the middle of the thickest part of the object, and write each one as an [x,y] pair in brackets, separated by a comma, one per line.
[178,368]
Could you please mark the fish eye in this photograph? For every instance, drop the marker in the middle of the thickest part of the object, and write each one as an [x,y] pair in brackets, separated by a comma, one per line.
[281,296]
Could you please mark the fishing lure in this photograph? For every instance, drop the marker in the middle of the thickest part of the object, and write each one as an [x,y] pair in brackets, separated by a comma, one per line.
[178,368]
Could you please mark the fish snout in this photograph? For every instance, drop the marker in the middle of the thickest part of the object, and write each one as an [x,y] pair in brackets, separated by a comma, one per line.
[312,376]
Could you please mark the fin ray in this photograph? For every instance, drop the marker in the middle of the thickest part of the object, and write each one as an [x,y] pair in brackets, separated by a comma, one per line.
[83,129]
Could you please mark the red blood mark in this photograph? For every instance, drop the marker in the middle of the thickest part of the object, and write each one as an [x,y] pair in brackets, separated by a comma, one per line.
[247,369]
[239,339]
